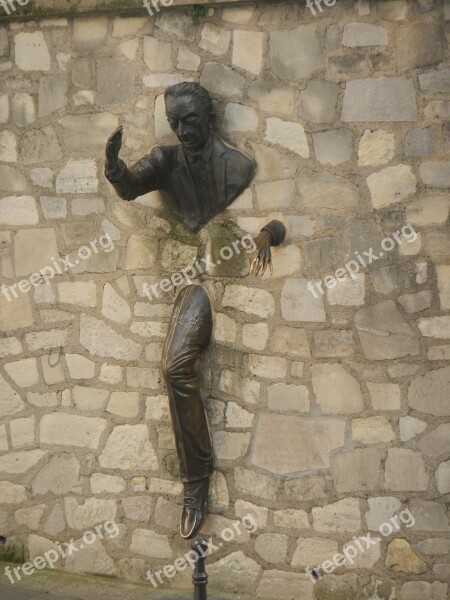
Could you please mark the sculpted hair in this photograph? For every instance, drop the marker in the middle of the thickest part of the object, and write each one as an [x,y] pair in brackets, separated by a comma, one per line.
[191,88]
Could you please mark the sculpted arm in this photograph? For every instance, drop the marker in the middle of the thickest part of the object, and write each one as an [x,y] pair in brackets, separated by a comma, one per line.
[130,182]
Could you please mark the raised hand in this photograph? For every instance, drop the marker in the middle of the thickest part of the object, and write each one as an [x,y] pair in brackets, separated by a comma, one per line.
[113,146]
[263,258]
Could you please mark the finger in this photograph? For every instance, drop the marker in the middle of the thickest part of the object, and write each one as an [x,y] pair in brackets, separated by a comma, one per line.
[255,264]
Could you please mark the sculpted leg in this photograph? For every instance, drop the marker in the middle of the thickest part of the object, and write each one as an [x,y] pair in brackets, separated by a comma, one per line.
[189,334]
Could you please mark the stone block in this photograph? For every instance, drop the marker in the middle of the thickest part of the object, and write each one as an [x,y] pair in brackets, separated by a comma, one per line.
[391,185]
[128,447]
[214,39]
[272,547]
[78,176]
[372,430]
[384,333]
[87,131]
[31,51]
[157,54]
[435,82]
[241,387]
[435,174]
[420,142]
[106,484]
[286,45]
[71,430]
[255,484]
[429,394]
[239,118]
[318,101]
[272,99]
[8,146]
[419,45]
[230,446]
[23,111]
[115,82]
[283,585]
[337,392]
[59,476]
[356,470]
[187,60]
[282,397]
[101,340]
[274,194]
[18,210]
[315,195]
[290,340]
[89,34]
[235,572]
[254,301]
[248,50]
[40,146]
[52,94]
[430,210]
[381,509]
[405,471]
[333,147]
[222,80]
[379,99]
[287,134]
[401,558]
[343,516]
[138,508]
[11,179]
[276,435]
[410,427]
[311,552]
[254,335]
[384,396]
[376,148]
[299,304]
[364,34]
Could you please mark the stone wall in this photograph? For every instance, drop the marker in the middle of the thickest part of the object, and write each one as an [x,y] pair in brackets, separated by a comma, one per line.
[330,410]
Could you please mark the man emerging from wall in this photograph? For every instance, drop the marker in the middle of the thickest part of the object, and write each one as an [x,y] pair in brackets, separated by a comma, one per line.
[197,179]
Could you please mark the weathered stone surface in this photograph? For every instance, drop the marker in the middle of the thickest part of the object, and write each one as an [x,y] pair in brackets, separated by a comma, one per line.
[276,435]
[128,447]
[20,462]
[239,118]
[348,292]
[309,487]
[341,517]
[219,497]
[157,54]
[337,392]
[436,443]
[282,397]
[420,142]
[8,146]
[11,179]
[384,333]
[89,34]
[30,517]
[109,484]
[418,302]
[282,585]
[318,101]
[239,15]
[38,546]
[434,546]
[90,513]
[376,148]
[151,544]
[435,81]
[93,559]
[299,304]
[254,301]
[59,476]
[286,45]
[15,314]
[99,126]
[23,109]
[11,493]
[52,94]
[101,340]
[272,547]
[77,177]
[222,80]
[215,39]
[429,394]
[381,509]
[405,470]
[391,185]
[372,430]
[255,484]
[435,174]
[401,558]
[272,99]
[24,372]
[410,427]
[379,99]
[288,134]
[274,193]
[333,147]
[31,51]
[254,335]
[429,516]
[187,60]
[442,475]
[266,366]
[425,590]
[334,343]
[431,210]
[115,82]
[315,194]
[40,146]
[247,50]
[230,446]
[34,249]
[124,404]
[71,430]
[21,432]
[364,34]
[138,508]
[419,45]
[357,470]
[241,387]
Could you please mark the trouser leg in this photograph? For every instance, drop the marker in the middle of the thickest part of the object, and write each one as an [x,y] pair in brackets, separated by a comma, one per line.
[189,334]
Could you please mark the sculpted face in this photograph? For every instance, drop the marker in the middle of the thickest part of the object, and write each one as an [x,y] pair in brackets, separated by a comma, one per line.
[189,120]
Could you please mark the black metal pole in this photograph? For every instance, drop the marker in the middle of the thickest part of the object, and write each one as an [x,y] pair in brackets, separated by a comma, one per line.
[200,578]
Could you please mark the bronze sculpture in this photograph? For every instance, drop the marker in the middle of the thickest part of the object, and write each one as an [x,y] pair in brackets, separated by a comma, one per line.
[198,179]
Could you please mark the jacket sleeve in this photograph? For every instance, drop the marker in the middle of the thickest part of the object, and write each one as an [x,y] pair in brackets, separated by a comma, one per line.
[146,175]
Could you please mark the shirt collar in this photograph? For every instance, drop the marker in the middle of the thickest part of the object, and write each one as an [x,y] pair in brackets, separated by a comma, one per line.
[205,152]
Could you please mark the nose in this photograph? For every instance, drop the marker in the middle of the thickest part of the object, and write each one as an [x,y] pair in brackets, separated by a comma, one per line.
[181,129]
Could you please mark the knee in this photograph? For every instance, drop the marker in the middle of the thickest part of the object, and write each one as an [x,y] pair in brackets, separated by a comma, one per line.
[173,369]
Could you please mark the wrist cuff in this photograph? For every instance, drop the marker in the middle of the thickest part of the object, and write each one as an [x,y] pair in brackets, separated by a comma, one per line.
[113,174]
[277,231]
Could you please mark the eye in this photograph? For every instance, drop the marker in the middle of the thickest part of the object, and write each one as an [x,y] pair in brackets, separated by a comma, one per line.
[173,124]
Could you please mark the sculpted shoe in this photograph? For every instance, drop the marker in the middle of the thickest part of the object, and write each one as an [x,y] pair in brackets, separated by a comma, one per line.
[195,507]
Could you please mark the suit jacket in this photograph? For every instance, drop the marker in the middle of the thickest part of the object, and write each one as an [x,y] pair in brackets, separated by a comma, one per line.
[166,168]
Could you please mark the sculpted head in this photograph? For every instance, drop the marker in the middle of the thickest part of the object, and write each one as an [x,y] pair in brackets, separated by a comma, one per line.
[190,114]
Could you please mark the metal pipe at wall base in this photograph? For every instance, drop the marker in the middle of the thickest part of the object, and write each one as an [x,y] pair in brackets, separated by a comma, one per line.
[200,578]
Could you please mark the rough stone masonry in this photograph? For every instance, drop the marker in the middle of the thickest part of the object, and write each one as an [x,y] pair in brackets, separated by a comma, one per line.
[329,415]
